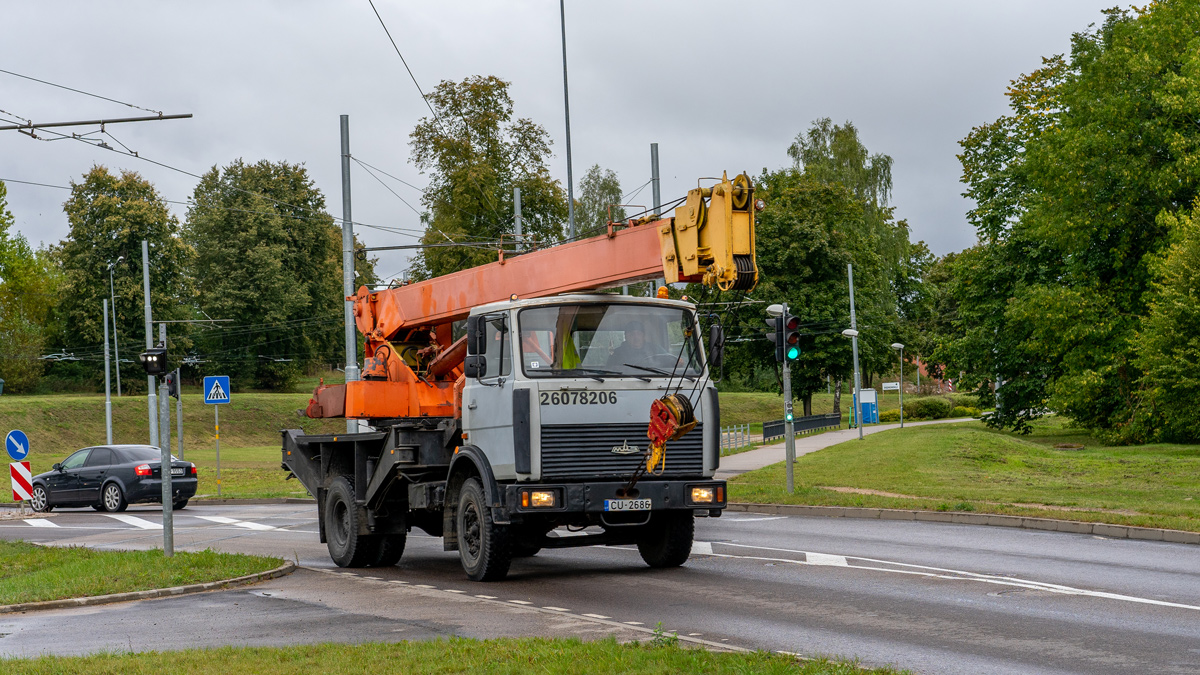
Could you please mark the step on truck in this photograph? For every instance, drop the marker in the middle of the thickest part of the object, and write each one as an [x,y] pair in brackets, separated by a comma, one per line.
[501,403]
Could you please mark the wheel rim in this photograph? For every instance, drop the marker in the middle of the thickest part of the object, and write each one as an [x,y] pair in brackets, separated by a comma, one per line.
[341,523]
[112,497]
[38,499]
[471,531]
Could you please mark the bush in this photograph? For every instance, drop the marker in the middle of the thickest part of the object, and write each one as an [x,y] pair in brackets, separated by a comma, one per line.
[932,408]
[890,416]
[962,411]
[964,400]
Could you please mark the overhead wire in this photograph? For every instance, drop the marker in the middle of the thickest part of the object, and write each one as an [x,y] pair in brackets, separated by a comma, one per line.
[80,91]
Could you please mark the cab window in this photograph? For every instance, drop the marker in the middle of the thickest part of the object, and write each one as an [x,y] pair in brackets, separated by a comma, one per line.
[497,350]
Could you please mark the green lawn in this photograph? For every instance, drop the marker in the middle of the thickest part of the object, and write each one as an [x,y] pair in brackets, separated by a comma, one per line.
[30,573]
[967,467]
[457,655]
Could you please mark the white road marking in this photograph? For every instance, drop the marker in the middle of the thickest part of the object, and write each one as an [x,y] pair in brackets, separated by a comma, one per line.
[373,578]
[135,521]
[751,520]
[943,573]
[702,548]
[239,523]
[486,597]
[451,590]
[520,602]
[634,623]
[598,616]
[557,609]
[424,586]
[39,522]
[397,581]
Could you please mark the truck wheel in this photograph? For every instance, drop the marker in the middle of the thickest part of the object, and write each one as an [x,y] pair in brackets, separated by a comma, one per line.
[667,540]
[484,547]
[347,547]
[391,547]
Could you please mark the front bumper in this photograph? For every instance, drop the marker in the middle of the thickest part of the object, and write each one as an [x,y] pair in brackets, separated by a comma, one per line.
[665,495]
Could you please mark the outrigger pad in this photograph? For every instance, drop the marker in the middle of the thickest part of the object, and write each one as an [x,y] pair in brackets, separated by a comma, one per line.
[327,401]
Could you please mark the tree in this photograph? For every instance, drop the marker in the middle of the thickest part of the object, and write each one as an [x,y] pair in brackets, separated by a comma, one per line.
[1073,191]
[475,154]
[27,287]
[599,189]
[268,257]
[109,217]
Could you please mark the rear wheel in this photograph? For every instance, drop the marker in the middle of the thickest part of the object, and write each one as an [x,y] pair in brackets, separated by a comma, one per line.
[39,500]
[113,498]
[667,540]
[347,547]
[484,547]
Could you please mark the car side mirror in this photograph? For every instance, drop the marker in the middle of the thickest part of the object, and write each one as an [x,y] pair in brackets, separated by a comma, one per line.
[475,365]
[716,347]
[474,335]
[57,467]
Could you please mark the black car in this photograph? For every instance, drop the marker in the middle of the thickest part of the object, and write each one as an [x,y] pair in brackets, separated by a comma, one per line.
[111,477]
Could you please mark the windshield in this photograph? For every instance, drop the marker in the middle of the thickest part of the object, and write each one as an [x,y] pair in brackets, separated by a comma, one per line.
[145,453]
[608,340]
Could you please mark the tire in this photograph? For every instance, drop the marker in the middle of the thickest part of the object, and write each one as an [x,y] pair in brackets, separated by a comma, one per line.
[98,507]
[391,548]
[484,548]
[179,505]
[667,540]
[112,498]
[40,500]
[347,547]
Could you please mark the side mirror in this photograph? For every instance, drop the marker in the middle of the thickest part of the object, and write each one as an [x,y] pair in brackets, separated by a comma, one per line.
[716,347]
[474,335]
[57,467]
[475,365]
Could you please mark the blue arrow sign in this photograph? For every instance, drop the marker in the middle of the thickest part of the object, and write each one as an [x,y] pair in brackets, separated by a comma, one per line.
[216,389]
[17,445]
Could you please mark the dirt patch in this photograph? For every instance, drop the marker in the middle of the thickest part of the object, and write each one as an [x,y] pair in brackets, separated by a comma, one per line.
[864,491]
[1045,507]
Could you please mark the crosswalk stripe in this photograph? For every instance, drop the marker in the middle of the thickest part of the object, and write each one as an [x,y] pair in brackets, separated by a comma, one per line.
[135,521]
[235,522]
[39,522]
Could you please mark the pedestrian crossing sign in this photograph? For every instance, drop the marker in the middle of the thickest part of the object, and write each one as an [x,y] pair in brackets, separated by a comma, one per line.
[216,389]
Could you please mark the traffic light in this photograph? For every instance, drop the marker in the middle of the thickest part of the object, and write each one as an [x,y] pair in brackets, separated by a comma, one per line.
[173,384]
[791,337]
[775,324]
[154,360]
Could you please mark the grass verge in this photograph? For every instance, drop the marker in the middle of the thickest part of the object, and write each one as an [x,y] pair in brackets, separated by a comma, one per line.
[30,573]
[967,467]
[456,655]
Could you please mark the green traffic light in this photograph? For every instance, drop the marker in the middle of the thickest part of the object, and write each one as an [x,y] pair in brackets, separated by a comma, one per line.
[793,352]
[788,417]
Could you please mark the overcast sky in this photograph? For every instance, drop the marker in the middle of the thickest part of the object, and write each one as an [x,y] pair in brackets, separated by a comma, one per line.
[719,86]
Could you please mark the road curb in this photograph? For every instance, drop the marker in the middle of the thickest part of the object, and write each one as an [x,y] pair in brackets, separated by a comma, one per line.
[255,500]
[994,520]
[282,570]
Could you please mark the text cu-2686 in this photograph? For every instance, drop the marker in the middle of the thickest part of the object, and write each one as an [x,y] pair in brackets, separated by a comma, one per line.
[578,397]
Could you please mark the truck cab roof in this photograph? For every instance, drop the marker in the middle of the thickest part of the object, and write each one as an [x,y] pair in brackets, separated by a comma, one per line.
[579,298]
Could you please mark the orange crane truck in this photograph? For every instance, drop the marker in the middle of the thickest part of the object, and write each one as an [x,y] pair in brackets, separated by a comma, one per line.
[554,409]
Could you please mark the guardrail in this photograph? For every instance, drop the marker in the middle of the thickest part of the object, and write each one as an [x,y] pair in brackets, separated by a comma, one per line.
[734,437]
[801,425]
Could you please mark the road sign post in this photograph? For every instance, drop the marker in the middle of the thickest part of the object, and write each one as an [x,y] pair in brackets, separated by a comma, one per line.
[216,393]
[16,443]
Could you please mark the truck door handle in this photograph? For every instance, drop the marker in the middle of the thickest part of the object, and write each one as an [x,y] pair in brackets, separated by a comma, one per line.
[471,405]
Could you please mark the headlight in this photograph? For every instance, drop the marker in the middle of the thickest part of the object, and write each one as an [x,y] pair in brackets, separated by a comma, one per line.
[703,495]
[539,498]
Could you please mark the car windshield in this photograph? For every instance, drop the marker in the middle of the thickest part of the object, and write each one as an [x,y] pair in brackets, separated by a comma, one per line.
[608,340]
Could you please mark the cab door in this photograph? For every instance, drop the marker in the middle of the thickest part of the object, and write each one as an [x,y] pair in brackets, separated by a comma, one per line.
[488,401]
[93,473]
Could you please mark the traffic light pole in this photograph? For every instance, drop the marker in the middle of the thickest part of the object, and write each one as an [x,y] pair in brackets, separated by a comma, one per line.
[179,409]
[164,467]
[151,403]
[789,428]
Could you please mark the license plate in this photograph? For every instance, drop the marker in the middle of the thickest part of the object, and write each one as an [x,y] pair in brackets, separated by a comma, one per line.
[177,471]
[627,505]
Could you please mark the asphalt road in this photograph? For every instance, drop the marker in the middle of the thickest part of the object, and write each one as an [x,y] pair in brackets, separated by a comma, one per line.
[931,597]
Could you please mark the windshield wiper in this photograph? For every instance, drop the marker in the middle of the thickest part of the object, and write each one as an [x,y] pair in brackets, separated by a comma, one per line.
[593,373]
[660,371]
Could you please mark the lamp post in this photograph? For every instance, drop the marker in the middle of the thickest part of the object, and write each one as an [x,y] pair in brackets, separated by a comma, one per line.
[113,303]
[900,347]
[853,335]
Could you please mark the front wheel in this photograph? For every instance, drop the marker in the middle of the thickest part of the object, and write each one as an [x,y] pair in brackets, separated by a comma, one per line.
[113,498]
[484,547]
[667,540]
[347,547]
[39,500]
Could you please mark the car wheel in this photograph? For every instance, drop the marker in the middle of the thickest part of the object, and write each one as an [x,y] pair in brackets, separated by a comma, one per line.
[98,507]
[179,505]
[484,547]
[39,500]
[667,540]
[347,547]
[113,498]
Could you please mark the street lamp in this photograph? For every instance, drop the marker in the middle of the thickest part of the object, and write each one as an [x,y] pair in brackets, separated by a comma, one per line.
[113,301]
[900,347]
[853,335]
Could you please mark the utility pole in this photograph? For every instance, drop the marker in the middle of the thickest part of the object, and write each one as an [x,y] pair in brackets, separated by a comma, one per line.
[789,427]
[164,467]
[179,409]
[107,385]
[151,402]
[348,265]
[517,216]
[562,10]
[116,340]
[656,189]
[854,342]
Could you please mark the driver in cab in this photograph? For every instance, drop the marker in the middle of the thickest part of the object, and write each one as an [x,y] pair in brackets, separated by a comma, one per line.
[635,349]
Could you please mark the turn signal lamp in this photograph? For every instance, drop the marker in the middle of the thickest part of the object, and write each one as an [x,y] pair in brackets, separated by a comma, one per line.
[703,495]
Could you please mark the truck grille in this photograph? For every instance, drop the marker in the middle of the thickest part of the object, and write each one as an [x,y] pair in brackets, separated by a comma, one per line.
[578,451]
